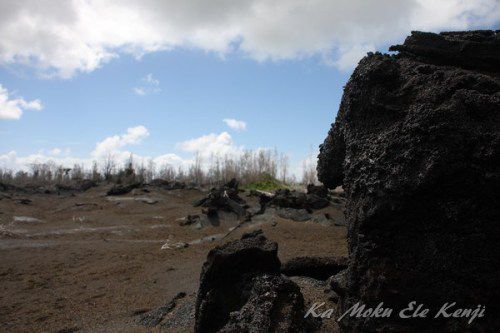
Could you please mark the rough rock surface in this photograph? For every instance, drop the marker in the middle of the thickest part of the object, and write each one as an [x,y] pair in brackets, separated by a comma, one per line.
[416,147]
[275,304]
[154,317]
[320,268]
[242,290]
[320,191]
[224,198]
[292,199]
[299,215]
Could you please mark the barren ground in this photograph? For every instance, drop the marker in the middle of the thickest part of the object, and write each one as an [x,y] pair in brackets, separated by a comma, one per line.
[92,262]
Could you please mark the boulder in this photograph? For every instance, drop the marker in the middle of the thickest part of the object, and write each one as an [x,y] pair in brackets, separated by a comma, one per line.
[416,147]
[223,198]
[299,215]
[285,198]
[242,290]
[226,274]
[275,304]
[319,190]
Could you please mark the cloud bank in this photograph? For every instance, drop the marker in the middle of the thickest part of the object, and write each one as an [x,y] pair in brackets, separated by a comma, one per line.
[117,147]
[63,38]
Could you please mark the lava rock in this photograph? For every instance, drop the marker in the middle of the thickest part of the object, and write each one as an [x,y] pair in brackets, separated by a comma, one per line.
[285,198]
[416,147]
[189,220]
[320,268]
[321,190]
[275,304]
[123,189]
[226,279]
[153,318]
[24,201]
[223,198]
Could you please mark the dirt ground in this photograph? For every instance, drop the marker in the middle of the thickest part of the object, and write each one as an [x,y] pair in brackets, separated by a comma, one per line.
[91,263]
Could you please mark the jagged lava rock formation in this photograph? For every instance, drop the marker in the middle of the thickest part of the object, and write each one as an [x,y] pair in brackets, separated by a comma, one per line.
[416,147]
[242,290]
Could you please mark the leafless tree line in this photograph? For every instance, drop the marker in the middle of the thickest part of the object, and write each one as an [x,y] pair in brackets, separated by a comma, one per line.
[250,167]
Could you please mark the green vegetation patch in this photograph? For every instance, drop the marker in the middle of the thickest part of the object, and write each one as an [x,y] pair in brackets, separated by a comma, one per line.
[267,183]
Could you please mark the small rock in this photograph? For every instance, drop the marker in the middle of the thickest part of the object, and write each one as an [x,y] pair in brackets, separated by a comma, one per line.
[149,201]
[26,219]
[24,201]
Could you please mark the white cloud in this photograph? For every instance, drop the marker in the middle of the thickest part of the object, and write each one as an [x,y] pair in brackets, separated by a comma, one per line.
[208,146]
[13,108]
[63,37]
[150,86]
[139,91]
[212,145]
[236,125]
[116,147]
[349,57]
[11,161]
[113,144]
[150,79]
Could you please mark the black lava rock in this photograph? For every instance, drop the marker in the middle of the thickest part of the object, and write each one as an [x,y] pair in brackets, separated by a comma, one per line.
[416,147]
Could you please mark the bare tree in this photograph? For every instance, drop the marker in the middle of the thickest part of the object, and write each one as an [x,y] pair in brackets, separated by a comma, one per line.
[95,175]
[150,170]
[167,172]
[196,173]
[284,160]
[77,173]
[309,169]
[109,167]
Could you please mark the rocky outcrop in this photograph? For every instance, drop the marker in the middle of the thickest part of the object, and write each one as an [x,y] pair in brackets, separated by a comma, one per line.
[154,317]
[242,290]
[416,147]
[319,190]
[293,199]
[274,304]
[223,198]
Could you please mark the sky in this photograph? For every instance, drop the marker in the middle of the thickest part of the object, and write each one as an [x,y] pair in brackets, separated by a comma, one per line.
[83,79]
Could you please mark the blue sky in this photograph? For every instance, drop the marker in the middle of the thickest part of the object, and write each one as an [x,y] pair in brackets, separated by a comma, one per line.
[287,105]
[152,78]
